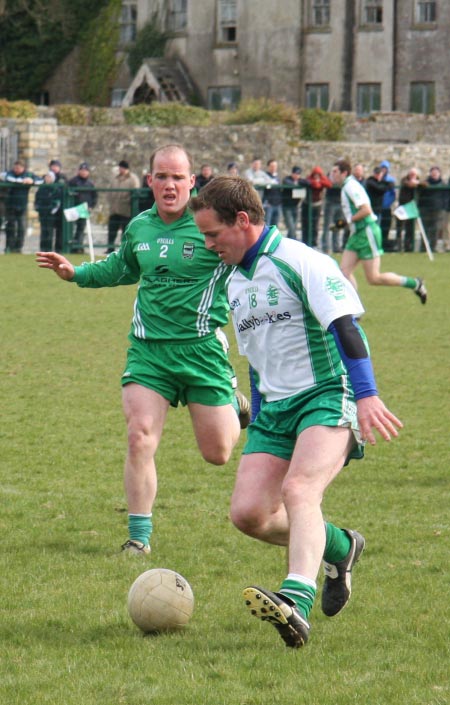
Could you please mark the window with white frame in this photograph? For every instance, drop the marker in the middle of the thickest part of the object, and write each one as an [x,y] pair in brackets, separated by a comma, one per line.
[317,95]
[372,12]
[320,13]
[128,23]
[368,98]
[426,11]
[227,21]
[177,15]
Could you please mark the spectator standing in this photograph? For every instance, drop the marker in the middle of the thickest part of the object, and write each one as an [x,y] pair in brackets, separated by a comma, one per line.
[386,206]
[84,191]
[146,197]
[409,185]
[232,169]
[289,202]
[16,203]
[60,181]
[272,194]
[256,175]
[204,177]
[317,182]
[432,203]
[46,204]
[334,222]
[120,202]
[359,173]
[376,187]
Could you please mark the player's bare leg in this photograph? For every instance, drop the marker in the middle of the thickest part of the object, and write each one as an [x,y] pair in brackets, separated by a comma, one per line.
[145,413]
[349,262]
[216,430]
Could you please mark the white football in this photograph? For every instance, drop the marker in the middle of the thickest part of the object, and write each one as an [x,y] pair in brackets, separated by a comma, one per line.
[160,600]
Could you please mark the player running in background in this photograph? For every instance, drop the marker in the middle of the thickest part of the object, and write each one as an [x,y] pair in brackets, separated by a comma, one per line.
[177,351]
[364,243]
[294,317]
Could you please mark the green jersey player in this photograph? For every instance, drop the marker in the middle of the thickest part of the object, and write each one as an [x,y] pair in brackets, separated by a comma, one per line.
[177,350]
[294,317]
[364,243]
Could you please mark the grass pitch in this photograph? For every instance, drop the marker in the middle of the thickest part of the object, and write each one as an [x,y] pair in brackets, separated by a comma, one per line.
[65,635]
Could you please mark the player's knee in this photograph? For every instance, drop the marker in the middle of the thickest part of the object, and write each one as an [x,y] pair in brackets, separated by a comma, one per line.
[300,492]
[246,518]
[216,455]
[140,441]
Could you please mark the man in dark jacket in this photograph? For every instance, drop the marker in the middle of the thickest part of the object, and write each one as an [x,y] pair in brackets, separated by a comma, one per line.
[272,194]
[85,194]
[409,187]
[376,187]
[432,203]
[55,166]
[290,200]
[16,204]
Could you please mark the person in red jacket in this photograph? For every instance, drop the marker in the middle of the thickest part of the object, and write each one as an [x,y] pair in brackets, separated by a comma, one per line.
[312,205]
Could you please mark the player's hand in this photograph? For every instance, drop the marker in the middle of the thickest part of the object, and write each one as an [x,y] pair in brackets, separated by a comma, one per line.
[60,265]
[372,414]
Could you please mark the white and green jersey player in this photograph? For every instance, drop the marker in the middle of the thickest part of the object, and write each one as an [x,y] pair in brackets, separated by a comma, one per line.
[365,234]
[180,304]
[286,302]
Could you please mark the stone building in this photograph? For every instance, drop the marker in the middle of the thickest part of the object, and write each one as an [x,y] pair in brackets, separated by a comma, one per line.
[345,55]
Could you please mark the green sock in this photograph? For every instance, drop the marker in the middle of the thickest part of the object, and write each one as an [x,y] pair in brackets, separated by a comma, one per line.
[337,544]
[409,282]
[301,590]
[140,527]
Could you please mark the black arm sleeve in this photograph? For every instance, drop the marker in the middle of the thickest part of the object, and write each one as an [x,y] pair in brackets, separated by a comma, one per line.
[349,336]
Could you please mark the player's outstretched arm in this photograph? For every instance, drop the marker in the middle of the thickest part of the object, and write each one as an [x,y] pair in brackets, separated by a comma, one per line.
[60,265]
[372,414]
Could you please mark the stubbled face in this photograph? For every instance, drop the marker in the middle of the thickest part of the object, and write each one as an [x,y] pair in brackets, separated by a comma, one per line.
[338,177]
[171,181]
[358,171]
[228,241]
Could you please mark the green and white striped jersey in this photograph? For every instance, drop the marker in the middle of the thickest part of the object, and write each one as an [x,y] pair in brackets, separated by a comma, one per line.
[281,311]
[353,196]
[181,293]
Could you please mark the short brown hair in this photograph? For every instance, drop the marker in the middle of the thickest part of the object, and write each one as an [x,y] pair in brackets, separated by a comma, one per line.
[343,165]
[172,148]
[228,195]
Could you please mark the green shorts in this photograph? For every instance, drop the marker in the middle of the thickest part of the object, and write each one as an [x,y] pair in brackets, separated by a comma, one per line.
[279,423]
[367,242]
[196,372]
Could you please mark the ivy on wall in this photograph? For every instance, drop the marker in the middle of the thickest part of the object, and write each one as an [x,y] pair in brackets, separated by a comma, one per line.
[98,56]
[150,43]
[35,36]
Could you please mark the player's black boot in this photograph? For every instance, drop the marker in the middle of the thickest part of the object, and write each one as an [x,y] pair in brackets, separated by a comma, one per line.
[337,587]
[280,611]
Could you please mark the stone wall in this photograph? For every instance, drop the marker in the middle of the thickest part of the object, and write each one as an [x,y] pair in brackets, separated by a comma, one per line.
[103,146]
